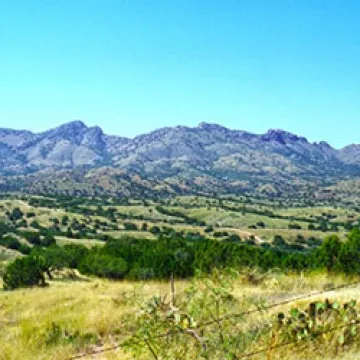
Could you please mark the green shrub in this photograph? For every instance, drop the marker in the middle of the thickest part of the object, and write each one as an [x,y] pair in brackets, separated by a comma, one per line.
[233,238]
[130,226]
[139,273]
[23,272]
[75,254]
[48,240]
[279,241]
[294,226]
[329,252]
[16,214]
[155,229]
[261,224]
[10,242]
[349,255]
[104,265]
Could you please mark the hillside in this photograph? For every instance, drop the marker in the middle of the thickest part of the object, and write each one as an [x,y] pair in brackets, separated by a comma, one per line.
[97,304]
[206,158]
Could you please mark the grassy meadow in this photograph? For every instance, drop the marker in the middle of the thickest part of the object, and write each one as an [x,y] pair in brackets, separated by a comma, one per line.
[98,311]
[77,314]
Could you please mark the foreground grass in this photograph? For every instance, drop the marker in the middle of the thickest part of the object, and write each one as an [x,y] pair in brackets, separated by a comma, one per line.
[95,313]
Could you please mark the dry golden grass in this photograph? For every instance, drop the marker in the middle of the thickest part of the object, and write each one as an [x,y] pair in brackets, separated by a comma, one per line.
[87,306]
[99,307]
[62,240]
[291,234]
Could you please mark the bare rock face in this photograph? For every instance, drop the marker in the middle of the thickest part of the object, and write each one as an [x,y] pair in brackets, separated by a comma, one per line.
[179,155]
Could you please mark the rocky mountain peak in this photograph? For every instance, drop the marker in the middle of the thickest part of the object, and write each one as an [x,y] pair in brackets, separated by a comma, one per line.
[207,150]
[94,139]
[212,127]
[281,136]
[71,131]
[355,147]
[72,126]
[324,145]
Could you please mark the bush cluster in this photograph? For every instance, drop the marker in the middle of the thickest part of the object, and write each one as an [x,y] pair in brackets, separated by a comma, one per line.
[177,255]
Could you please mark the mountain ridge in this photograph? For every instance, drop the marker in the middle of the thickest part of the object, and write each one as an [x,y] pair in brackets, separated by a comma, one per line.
[202,125]
[205,154]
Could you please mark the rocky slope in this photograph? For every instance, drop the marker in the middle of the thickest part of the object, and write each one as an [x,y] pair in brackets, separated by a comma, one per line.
[208,155]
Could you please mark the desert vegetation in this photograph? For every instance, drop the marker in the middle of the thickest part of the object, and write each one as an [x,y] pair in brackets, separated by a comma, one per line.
[96,274]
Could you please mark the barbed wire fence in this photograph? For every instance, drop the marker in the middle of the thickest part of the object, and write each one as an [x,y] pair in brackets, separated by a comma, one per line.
[232,316]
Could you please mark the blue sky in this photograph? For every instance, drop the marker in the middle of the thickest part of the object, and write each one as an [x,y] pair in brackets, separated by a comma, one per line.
[131,66]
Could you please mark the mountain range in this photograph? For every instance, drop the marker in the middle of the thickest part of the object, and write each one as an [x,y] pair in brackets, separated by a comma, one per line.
[171,159]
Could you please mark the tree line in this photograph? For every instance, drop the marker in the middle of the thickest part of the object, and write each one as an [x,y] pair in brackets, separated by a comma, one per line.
[141,259]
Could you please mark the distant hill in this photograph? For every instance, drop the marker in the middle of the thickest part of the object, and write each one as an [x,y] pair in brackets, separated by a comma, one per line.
[208,157]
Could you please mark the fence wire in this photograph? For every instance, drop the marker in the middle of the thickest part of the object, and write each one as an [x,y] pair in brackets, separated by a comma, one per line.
[232,316]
